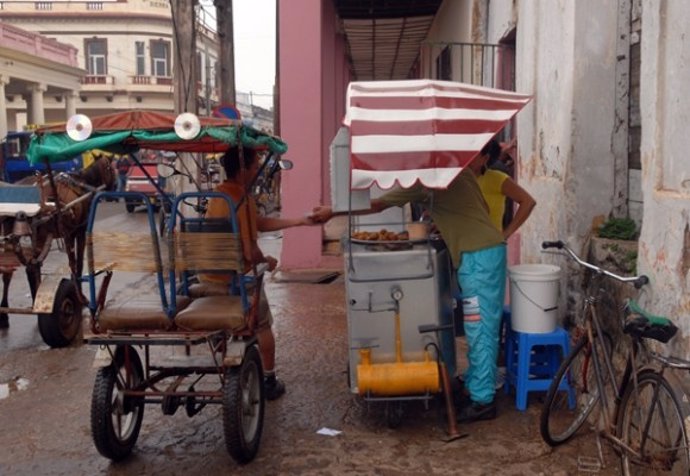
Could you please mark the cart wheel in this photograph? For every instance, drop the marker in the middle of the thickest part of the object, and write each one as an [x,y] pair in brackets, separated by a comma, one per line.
[60,328]
[243,407]
[394,414]
[115,418]
[130,207]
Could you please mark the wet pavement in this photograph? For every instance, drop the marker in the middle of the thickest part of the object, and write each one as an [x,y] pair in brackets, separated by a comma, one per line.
[45,428]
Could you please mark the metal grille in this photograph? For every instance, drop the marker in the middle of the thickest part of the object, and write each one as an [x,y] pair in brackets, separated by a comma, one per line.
[480,64]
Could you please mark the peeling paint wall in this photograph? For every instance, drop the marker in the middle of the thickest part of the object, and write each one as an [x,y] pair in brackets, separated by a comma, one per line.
[664,108]
[502,19]
[452,22]
[566,57]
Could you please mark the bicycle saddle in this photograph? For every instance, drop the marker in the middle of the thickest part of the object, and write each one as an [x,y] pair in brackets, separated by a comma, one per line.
[640,323]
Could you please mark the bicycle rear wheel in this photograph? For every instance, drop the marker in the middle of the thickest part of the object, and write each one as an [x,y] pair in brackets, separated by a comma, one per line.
[571,397]
[653,427]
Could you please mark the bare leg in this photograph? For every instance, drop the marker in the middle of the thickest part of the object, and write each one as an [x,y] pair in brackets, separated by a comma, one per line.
[267,348]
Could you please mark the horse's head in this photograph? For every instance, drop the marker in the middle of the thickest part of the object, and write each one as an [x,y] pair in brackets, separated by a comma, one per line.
[100,172]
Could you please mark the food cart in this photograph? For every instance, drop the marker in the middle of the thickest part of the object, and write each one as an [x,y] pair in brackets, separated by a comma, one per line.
[399,282]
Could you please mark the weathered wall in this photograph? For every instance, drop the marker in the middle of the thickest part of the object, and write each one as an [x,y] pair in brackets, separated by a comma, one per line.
[566,59]
[502,19]
[665,237]
[452,22]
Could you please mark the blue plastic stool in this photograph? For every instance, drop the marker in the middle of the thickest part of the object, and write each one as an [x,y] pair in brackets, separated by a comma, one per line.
[532,361]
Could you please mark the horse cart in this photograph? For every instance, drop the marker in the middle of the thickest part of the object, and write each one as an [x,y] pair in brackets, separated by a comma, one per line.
[168,344]
[34,214]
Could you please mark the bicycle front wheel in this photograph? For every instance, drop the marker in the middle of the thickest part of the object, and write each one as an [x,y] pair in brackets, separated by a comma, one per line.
[571,397]
[650,422]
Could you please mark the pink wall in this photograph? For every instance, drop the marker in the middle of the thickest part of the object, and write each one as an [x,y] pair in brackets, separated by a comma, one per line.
[312,95]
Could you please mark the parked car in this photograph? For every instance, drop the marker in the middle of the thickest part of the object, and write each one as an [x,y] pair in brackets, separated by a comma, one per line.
[14,164]
[138,182]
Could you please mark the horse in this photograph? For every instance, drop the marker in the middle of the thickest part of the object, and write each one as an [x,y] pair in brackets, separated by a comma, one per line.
[68,224]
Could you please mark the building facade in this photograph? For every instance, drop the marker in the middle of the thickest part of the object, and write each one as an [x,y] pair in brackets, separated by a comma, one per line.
[34,71]
[125,48]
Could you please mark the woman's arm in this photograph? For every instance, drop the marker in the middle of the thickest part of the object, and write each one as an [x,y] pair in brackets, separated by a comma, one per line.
[525,201]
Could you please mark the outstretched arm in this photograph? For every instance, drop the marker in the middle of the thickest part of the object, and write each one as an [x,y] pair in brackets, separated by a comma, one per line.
[322,213]
[525,201]
[275,224]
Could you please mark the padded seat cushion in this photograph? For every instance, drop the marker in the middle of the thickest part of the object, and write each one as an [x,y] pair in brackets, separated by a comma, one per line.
[212,313]
[142,312]
[205,289]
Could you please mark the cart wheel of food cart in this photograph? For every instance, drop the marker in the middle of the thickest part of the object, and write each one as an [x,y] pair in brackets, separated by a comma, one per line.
[116,418]
[394,414]
[243,407]
[60,327]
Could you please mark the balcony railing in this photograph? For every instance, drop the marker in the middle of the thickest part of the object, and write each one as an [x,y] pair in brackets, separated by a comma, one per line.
[98,79]
[474,63]
[150,80]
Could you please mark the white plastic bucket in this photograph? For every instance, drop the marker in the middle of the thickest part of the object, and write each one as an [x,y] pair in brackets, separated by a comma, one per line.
[534,291]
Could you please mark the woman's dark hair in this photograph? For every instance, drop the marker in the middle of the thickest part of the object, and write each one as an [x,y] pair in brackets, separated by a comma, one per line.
[231,160]
[493,150]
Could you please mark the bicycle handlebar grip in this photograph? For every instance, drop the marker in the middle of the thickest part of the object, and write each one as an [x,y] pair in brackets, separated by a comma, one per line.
[552,244]
[641,281]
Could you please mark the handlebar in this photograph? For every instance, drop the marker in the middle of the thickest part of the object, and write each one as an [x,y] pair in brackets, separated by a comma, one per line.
[637,281]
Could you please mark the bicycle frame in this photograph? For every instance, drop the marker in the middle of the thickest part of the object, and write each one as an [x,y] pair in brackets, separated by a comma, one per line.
[646,418]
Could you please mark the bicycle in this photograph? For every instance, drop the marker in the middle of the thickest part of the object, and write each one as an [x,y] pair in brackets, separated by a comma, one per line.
[645,420]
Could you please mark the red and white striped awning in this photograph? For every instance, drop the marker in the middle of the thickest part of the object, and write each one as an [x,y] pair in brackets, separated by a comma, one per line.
[421,130]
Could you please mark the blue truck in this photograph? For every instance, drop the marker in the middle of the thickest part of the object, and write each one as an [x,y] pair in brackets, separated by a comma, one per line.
[14,165]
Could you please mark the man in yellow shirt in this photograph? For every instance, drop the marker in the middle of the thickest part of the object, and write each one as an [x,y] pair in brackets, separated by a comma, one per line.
[250,223]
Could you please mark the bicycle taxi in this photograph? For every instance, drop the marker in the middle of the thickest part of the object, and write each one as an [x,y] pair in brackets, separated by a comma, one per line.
[164,345]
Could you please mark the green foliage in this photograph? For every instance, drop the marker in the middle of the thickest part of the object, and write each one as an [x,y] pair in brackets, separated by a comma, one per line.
[619,229]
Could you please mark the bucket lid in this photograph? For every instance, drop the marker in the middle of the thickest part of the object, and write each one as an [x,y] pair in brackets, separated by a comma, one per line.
[534,270]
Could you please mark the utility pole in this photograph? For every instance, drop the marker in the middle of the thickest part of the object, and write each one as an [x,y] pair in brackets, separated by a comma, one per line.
[227,51]
[185,75]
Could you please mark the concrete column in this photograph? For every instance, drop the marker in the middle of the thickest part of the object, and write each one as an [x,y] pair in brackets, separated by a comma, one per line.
[301,71]
[3,106]
[70,104]
[34,110]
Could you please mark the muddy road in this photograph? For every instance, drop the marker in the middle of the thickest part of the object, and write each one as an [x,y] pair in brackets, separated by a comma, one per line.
[45,429]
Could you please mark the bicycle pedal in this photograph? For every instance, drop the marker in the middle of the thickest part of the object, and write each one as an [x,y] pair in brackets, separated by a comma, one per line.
[587,464]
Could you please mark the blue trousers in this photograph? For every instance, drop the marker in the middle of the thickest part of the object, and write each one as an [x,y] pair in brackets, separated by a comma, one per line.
[482,277]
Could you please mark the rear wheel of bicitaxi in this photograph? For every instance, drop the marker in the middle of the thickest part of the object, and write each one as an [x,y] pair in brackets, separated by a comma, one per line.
[243,407]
